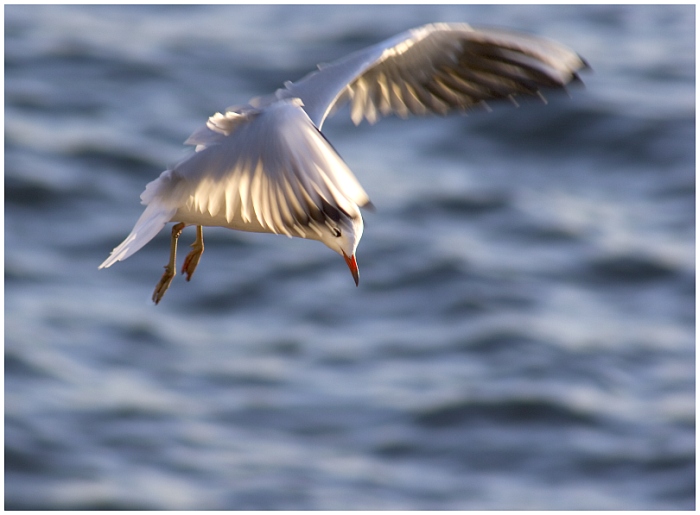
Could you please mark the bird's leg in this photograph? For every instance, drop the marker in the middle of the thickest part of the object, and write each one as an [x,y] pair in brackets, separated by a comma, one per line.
[167,278]
[192,259]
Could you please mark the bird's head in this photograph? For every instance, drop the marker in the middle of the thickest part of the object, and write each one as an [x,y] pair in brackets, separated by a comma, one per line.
[343,237]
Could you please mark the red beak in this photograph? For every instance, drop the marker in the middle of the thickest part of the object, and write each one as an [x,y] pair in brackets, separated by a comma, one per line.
[352,265]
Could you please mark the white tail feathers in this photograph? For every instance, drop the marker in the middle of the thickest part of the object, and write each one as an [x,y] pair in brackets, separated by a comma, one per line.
[162,196]
[148,225]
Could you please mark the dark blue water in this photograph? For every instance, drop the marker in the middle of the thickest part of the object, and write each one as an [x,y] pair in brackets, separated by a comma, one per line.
[523,334]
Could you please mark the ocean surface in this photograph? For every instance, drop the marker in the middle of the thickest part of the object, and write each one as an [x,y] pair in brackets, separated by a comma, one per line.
[523,335]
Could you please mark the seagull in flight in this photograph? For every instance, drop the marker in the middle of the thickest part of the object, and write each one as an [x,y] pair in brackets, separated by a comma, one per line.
[266,166]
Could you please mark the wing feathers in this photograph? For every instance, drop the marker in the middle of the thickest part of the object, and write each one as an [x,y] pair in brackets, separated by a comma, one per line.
[274,172]
[435,68]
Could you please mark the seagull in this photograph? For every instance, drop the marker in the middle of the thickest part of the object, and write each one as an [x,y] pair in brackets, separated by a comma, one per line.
[266,166]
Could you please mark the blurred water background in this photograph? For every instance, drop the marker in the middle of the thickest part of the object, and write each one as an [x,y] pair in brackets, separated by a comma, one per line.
[523,333]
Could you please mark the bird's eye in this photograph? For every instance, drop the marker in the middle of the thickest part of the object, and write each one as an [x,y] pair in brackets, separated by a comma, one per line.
[335,231]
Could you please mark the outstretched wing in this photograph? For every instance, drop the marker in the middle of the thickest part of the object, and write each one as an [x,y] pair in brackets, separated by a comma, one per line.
[434,69]
[267,170]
